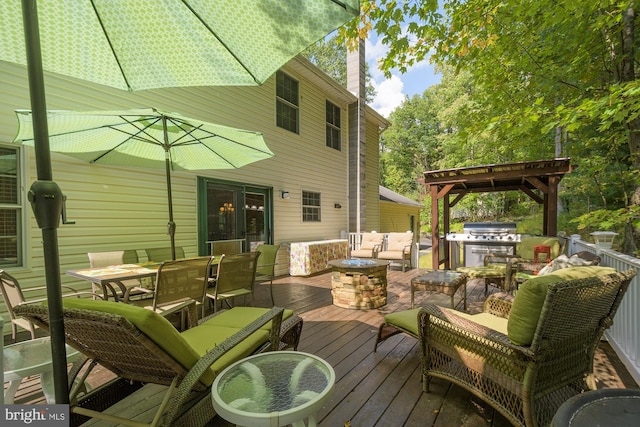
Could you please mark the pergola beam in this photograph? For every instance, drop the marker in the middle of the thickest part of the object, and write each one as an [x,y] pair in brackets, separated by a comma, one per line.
[542,176]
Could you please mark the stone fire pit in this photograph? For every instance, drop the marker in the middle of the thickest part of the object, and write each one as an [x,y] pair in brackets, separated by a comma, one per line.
[359,283]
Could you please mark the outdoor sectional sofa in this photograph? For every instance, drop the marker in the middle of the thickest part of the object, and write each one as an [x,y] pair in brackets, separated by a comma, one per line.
[139,345]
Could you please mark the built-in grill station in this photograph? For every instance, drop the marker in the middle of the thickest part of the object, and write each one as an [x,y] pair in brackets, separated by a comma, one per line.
[481,238]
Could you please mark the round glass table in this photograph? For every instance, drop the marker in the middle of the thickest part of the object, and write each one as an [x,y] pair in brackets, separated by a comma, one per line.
[28,358]
[276,388]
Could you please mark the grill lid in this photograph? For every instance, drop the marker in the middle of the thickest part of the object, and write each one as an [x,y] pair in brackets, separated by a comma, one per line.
[495,228]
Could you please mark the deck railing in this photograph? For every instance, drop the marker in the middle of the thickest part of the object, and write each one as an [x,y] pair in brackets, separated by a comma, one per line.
[624,335]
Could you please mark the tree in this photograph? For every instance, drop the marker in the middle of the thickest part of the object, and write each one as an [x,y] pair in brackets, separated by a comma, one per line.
[550,77]
[331,57]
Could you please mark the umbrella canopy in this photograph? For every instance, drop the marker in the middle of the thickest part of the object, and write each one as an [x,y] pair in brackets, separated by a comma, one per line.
[145,44]
[147,138]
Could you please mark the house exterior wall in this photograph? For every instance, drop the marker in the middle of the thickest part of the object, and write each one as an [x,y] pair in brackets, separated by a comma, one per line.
[396,217]
[372,180]
[126,208]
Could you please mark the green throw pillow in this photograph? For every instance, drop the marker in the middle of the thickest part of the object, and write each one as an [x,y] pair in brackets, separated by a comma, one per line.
[527,305]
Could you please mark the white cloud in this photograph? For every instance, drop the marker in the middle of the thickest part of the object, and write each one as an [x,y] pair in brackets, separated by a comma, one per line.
[389,95]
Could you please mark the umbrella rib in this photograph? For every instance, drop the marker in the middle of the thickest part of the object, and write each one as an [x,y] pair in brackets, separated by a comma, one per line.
[213,33]
[115,56]
[130,136]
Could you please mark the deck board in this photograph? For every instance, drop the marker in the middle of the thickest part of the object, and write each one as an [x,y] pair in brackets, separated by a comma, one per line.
[382,388]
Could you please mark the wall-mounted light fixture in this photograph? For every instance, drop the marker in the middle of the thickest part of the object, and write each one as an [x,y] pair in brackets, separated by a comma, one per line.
[337,206]
[284,194]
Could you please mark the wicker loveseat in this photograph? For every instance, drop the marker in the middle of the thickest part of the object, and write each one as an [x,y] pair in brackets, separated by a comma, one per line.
[140,345]
[525,355]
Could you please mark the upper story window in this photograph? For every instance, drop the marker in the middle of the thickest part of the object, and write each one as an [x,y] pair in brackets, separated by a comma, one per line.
[287,103]
[10,209]
[310,206]
[333,126]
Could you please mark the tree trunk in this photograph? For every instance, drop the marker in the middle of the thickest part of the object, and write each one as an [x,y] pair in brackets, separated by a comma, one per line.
[632,237]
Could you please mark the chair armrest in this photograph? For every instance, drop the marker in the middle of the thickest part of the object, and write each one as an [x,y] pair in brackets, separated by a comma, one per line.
[44,288]
[467,331]
[498,258]
[499,304]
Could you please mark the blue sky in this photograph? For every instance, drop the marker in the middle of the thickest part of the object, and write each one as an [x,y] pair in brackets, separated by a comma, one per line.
[393,91]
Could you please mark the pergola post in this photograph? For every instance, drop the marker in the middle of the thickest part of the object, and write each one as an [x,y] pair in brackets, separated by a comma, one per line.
[542,176]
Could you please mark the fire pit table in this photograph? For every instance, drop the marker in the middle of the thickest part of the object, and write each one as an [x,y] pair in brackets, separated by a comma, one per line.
[359,283]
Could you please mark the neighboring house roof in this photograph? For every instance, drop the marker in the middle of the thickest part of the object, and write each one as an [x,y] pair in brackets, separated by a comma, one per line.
[391,196]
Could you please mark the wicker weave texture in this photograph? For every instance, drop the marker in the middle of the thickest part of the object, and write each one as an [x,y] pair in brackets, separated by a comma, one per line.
[526,384]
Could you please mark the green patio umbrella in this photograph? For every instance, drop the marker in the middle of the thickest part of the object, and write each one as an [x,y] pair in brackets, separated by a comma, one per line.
[147,138]
[145,44]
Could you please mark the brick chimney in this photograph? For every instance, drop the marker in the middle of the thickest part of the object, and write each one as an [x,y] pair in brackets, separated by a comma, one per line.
[357,139]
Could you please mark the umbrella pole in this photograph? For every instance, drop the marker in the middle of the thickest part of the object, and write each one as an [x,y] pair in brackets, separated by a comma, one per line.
[46,200]
[171,226]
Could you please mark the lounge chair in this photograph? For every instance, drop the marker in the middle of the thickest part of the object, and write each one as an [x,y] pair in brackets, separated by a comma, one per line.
[140,345]
[525,355]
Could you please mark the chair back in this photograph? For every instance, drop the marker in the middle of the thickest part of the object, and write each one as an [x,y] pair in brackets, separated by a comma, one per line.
[399,241]
[525,249]
[266,260]
[226,247]
[371,241]
[182,280]
[237,272]
[114,342]
[163,254]
[11,292]
[574,316]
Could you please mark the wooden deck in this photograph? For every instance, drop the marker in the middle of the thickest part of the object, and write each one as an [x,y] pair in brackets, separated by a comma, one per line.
[383,388]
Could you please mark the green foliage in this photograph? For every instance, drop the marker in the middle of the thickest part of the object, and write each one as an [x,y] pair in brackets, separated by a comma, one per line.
[331,57]
[521,81]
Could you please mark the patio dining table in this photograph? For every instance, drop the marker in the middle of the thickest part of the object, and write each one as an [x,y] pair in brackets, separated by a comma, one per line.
[117,275]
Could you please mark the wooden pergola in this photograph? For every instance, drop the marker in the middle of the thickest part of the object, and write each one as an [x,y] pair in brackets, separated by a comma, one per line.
[537,179]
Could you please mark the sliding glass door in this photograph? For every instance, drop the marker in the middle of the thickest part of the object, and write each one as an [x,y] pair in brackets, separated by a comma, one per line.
[232,211]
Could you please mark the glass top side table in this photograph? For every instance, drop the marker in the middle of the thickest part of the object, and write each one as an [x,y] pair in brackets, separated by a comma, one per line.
[28,358]
[273,388]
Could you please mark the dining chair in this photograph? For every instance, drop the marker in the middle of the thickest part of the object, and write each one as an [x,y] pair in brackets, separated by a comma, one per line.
[14,295]
[236,276]
[127,288]
[163,254]
[180,287]
[265,270]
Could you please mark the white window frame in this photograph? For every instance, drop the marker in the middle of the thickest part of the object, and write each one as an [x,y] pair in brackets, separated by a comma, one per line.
[19,208]
[311,212]
[290,105]
[332,126]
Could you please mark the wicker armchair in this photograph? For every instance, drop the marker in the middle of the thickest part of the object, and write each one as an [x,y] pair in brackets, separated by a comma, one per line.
[525,383]
[139,345]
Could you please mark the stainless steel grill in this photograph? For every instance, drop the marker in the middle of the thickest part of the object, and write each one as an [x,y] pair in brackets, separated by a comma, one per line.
[481,238]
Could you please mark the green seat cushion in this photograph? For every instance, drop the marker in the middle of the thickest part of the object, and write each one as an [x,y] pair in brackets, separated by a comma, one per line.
[491,270]
[525,248]
[239,317]
[406,320]
[204,338]
[153,325]
[527,305]
[486,319]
